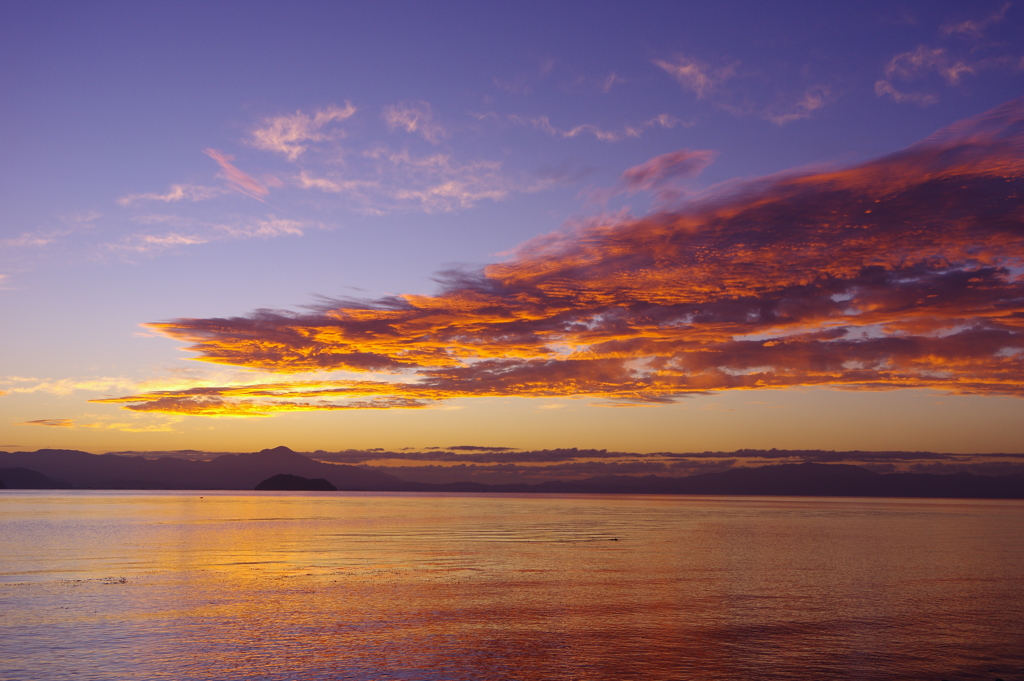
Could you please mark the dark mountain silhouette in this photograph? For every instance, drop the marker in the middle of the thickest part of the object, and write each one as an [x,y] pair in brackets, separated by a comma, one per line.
[233,471]
[246,471]
[805,479]
[284,482]
[23,478]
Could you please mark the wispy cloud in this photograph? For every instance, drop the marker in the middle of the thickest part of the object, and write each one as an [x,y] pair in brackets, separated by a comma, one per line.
[149,243]
[700,78]
[268,398]
[163,425]
[665,170]
[812,99]
[54,423]
[31,240]
[166,425]
[544,123]
[884,87]
[949,65]
[177,192]
[741,96]
[904,272]
[523,83]
[237,179]
[414,117]
[923,60]
[598,133]
[81,219]
[176,378]
[66,386]
[663,176]
[263,229]
[373,178]
[203,233]
[290,134]
[611,81]
[975,29]
[307,180]
[659,121]
[398,180]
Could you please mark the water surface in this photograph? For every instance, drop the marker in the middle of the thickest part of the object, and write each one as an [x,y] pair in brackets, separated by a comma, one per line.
[229,585]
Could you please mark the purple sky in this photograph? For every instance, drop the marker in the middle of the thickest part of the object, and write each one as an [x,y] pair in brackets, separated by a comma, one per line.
[635,228]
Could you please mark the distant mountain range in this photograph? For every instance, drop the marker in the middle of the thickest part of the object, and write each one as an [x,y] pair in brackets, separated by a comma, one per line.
[82,470]
[23,478]
[63,468]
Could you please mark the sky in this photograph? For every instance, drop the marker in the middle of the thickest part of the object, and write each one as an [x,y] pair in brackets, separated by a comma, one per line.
[644,227]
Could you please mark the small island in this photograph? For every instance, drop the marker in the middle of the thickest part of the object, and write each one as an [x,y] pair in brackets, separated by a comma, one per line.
[283,482]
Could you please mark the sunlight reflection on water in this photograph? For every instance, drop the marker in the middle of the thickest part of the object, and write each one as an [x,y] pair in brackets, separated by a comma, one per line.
[228,585]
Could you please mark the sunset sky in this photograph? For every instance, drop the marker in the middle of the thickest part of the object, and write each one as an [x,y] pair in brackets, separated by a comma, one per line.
[642,227]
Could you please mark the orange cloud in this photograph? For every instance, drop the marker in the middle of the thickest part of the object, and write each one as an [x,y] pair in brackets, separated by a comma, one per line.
[904,272]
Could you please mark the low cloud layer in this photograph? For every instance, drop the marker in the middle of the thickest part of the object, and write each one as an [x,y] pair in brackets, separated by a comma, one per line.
[903,272]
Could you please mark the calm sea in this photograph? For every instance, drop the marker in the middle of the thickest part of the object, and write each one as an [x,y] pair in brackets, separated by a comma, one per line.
[228,585]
